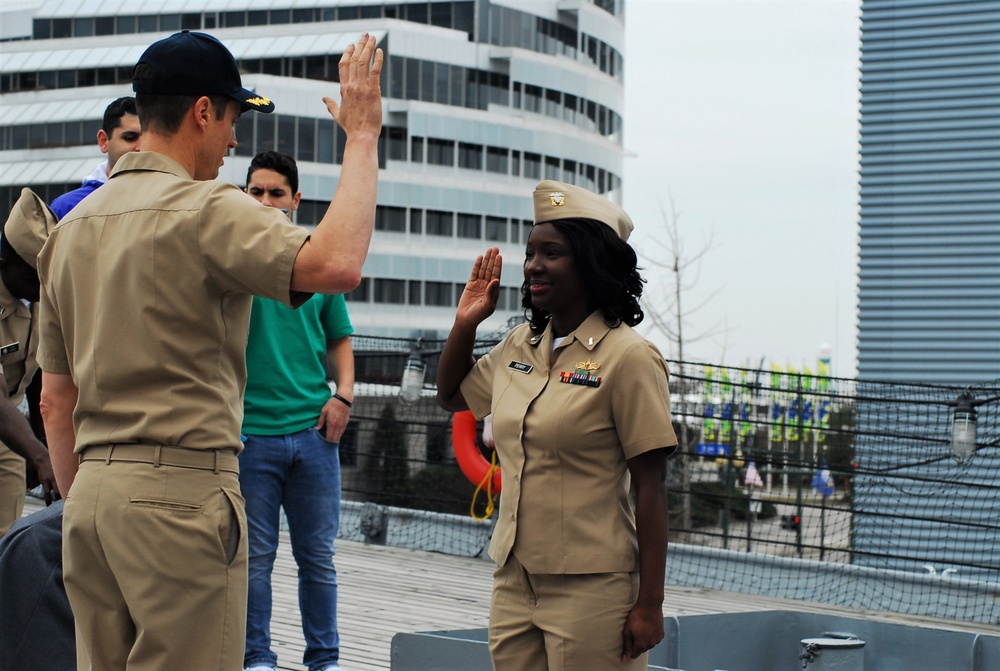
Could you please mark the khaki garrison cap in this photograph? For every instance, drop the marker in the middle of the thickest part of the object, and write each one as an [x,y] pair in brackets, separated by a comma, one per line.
[29,225]
[555,200]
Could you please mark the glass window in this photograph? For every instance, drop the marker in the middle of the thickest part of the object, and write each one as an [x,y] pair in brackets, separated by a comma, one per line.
[104,25]
[426,92]
[496,159]
[464,17]
[532,165]
[418,12]
[191,21]
[470,156]
[569,171]
[349,13]
[41,29]
[83,27]
[265,133]
[303,15]
[396,141]
[246,135]
[439,223]
[257,17]
[361,292]
[513,298]
[280,16]
[533,98]
[414,289]
[441,14]
[397,69]
[390,291]
[469,226]
[551,167]
[496,229]
[442,77]
[553,103]
[440,152]
[170,22]
[36,135]
[286,135]
[437,293]
[412,79]
[416,221]
[148,23]
[417,149]
[457,84]
[62,28]
[370,12]
[73,133]
[389,218]
[307,140]
[526,229]
[66,79]
[324,140]
[234,19]
[47,79]
[515,162]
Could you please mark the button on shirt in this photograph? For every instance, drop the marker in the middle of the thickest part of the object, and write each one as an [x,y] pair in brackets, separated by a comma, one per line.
[566,421]
[145,302]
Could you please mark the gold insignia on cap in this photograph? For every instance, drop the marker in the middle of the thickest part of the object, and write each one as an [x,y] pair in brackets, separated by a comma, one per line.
[258,102]
[557,199]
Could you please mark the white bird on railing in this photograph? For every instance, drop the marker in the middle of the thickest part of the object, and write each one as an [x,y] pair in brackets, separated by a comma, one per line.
[930,569]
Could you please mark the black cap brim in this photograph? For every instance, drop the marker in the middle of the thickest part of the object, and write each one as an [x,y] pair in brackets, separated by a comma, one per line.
[250,101]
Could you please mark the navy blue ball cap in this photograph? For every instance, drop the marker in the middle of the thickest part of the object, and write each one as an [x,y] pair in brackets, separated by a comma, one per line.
[196,64]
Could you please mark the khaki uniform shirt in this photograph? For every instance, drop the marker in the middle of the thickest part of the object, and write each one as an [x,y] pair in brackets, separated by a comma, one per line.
[145,302]
[565,423]
[18,344]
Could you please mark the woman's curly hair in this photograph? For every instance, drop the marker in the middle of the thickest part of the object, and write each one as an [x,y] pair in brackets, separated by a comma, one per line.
[607,268]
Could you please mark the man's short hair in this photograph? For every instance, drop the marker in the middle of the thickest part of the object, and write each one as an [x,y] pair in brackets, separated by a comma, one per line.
[115,111]
[164,112]
[283,164]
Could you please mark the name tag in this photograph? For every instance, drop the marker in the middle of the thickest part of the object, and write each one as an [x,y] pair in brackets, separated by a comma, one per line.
[10,349]
[520,367]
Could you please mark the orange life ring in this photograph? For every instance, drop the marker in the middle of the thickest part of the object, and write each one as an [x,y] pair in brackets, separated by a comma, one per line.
[467,454]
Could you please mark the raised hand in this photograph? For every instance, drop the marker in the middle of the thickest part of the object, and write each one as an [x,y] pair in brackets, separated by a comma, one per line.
[360,107]
[479,299]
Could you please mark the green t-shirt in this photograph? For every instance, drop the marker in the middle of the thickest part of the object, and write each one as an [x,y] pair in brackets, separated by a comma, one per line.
[286,356]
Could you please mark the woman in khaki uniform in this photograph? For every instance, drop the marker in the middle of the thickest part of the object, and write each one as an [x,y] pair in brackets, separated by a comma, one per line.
[581,411]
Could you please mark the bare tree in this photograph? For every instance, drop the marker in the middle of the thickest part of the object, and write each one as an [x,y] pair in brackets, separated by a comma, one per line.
[667,312]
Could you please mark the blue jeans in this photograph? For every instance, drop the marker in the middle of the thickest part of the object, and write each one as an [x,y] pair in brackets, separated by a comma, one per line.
[300,472]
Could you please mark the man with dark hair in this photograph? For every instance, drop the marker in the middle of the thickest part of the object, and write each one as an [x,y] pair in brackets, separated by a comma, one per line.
[119,134]
[291,459]
[20,449]
[145,308]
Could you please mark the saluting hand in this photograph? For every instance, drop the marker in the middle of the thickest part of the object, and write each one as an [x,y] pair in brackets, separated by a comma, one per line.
[482,292]
[360,108]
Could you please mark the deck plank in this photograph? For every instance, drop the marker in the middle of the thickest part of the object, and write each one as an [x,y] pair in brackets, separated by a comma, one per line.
[387,590]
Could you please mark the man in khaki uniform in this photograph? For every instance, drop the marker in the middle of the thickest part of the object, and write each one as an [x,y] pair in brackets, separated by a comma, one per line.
[146,294]
[22,237]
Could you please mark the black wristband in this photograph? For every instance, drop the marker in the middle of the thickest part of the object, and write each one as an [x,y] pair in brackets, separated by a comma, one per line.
[343,400]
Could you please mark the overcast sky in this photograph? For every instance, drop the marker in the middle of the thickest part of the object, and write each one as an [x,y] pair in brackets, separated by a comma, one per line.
[745,114]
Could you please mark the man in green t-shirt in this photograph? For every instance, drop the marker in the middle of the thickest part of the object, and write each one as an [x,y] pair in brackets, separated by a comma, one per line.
[292,427]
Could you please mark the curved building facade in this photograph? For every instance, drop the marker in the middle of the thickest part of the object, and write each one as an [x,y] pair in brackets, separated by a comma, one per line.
[482,99]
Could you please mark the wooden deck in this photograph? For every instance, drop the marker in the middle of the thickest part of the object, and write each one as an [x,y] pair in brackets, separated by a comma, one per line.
[386,590]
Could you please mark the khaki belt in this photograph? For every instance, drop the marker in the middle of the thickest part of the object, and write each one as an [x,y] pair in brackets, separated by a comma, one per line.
[165,455]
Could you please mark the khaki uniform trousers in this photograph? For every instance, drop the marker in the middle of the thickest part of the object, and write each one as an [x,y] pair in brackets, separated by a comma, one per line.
[560,622]
[12,487]
[155,559]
